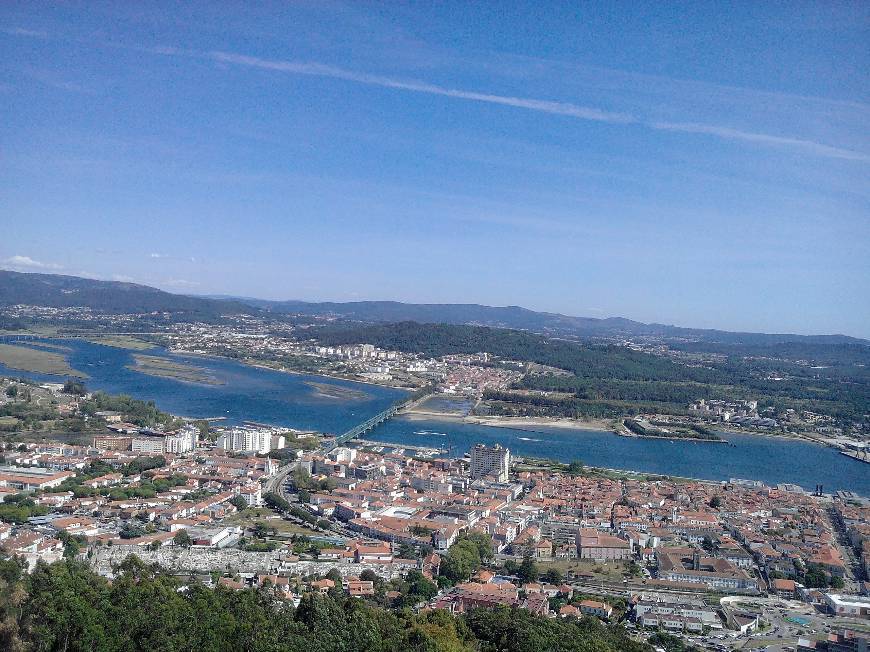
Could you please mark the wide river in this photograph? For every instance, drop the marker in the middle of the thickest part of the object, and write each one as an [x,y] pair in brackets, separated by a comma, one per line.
[262,395]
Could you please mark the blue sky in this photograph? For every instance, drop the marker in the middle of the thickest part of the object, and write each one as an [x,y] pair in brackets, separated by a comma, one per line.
[682,163]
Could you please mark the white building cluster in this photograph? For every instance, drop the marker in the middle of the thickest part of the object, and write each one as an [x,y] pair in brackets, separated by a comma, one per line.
[180,441]
[258,440]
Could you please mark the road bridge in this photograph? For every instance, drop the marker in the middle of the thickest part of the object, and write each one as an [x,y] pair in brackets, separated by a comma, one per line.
[369,424]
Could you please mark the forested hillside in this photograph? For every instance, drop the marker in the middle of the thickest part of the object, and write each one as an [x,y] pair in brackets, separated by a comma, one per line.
[615,380]
[66,607]
[55,291]
[584,361]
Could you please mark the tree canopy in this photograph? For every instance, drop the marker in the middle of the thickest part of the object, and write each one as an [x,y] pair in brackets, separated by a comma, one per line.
[65,606]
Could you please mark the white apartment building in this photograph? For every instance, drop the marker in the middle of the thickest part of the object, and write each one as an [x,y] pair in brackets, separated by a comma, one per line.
[182,441]
[253,495]
[344,455]
[148,444]
[260,440]
[490,460]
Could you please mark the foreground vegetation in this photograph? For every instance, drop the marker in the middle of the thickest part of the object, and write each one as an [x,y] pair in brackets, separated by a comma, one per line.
[67,607]
[31,409]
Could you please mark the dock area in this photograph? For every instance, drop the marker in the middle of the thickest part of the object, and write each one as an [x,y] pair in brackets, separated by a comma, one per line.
[860,456]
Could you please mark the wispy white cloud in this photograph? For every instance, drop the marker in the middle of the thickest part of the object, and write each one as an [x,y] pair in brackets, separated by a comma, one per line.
[51,79]
[532,104]
[161,256]
[728,133]
[180,283]
[21,31]
[28,263]
[322,70]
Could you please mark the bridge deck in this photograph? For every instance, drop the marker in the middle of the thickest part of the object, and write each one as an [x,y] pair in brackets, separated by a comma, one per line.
[367,425]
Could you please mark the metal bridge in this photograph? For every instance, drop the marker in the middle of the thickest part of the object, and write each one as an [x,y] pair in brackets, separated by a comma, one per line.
[376,420]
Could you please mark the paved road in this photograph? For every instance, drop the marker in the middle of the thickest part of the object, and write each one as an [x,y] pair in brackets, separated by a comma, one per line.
[276,482]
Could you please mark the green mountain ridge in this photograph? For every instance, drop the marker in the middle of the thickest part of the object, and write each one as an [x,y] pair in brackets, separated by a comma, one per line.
[58,291]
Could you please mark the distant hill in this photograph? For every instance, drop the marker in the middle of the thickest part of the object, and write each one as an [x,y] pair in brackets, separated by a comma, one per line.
[56,291]
[540,322]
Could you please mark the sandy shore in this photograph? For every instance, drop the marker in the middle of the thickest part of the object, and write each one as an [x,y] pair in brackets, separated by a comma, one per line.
[519,423]
[605,425]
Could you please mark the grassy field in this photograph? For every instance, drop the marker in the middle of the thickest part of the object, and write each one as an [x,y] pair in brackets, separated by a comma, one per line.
[613,571]
[45,362]
[153,365]
[248,519]
[120,342]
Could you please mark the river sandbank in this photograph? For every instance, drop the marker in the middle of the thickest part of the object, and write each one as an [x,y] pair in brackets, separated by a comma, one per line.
[518,423]
[159,366]
[25,358]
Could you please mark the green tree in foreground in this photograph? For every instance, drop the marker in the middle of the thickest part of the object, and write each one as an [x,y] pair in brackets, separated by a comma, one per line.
[465,557]
[276,502]
[65,606]
[182,538]
[238,502]
[553,576]
[528,570]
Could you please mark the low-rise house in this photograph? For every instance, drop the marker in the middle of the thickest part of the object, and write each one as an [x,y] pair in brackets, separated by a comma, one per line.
[783,588]
[596,608]
[322,586]
[360,588]
[569,610]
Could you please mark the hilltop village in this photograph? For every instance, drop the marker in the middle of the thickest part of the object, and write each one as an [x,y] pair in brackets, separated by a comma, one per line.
[290,513]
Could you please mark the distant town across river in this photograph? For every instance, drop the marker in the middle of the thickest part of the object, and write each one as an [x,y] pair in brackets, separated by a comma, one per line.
[245,393]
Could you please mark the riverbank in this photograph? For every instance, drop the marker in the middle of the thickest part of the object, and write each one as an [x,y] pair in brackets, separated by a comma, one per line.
[24,358]
[792,436]
[523,423]
[598,425]
[859,457]
[533,423]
